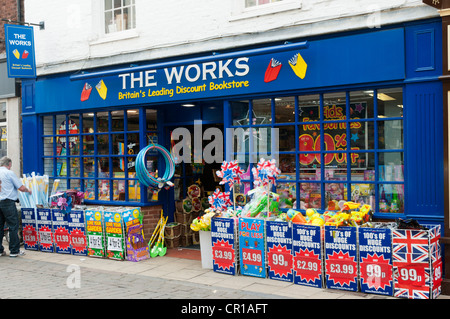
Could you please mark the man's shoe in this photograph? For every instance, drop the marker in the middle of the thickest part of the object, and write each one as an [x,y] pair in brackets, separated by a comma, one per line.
[21,253]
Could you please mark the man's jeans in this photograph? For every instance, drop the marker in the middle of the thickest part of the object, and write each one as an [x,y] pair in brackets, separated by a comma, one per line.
[9,214]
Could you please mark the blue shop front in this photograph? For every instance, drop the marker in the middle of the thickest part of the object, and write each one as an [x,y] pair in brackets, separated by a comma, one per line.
[349,116]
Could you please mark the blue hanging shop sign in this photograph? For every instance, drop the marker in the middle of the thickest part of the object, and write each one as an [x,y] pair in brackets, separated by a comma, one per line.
[20,54]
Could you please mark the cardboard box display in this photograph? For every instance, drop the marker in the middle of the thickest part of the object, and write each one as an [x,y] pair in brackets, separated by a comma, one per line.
[417,262]
[29,231]
[44,227]
[60,230]
[95,232]
[341,262]
[114,235]
[224,245]
[77,231]
[375,260]
[279,250]
[136,249]
[307,255]
[251,247]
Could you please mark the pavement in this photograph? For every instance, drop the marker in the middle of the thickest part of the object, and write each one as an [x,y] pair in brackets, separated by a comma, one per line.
[40,275]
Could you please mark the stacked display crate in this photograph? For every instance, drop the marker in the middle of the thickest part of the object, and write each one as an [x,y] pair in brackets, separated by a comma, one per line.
[417,262]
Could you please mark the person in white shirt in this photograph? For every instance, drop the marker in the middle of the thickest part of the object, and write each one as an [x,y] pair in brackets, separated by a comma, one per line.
[10,184]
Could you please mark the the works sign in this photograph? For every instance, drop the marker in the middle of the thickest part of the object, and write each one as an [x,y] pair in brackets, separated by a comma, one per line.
[20,55]
[282,68]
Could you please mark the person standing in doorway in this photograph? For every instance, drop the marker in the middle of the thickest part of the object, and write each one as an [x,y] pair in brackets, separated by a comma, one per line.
[8,210]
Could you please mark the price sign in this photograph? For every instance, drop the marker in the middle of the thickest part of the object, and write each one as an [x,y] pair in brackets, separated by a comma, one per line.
[77,230]
[44,226]
[223,232]
[279,250]
[375,258]
[115,243]
[341,264]
[30,236]
[251,247]
[60,230]
[95,241]
[307,255]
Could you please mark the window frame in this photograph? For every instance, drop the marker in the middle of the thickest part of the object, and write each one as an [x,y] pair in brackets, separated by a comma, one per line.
[50,156]
[122,7]
[239,11]
[377,182]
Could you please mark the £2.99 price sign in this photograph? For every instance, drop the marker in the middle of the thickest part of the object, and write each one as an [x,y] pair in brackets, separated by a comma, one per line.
[251,247]
[307,255]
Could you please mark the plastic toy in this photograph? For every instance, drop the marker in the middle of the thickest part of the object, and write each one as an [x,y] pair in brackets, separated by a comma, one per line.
[295,217]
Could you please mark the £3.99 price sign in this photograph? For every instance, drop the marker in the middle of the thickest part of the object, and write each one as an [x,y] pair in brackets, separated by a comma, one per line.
[223,245]
[341,264]
[30,236]
[251,247]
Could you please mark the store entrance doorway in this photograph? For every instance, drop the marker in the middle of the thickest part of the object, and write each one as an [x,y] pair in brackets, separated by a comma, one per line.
[195,175]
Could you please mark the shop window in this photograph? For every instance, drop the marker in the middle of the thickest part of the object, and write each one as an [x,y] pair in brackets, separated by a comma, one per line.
[95,152]
[334,146]
[120,15]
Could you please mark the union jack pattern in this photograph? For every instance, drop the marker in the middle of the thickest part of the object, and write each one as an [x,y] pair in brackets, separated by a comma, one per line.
[265,172]
[417,253]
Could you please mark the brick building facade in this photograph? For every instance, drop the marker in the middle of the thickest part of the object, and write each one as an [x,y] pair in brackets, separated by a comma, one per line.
[13,10]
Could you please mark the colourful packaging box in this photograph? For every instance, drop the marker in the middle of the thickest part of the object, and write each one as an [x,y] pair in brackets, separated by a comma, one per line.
[114,235]
[136,249]
[95,232]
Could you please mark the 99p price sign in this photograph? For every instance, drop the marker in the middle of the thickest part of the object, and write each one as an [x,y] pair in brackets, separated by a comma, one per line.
[375,258]
[341,264]
[279,250]
[251,247]
[223,245]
